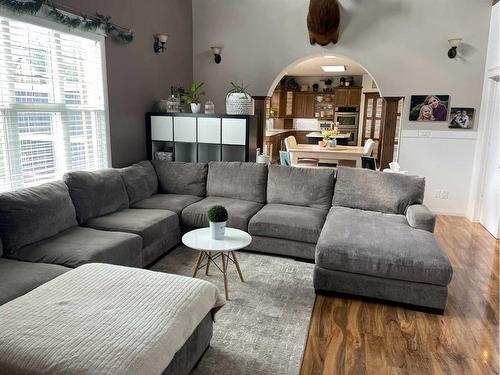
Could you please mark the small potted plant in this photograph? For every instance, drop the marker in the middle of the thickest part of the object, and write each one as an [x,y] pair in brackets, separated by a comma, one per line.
[194,96]
[239,101]
[217,218]
[329,137]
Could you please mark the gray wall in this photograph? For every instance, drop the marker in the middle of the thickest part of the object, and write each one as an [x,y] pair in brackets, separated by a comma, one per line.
[137,77]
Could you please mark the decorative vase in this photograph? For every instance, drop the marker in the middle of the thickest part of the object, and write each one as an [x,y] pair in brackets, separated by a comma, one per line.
[217,230]
[322,143]
[331,143]
[238,103]
[209,108]
[195,107]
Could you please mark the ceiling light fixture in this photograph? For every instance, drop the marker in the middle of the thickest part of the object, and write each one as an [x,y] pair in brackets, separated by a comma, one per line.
[329,57]
[333,68]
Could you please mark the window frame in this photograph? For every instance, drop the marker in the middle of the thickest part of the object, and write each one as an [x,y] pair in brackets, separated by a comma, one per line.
[41,19]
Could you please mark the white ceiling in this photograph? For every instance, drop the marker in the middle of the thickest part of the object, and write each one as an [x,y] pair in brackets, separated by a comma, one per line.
[312,67]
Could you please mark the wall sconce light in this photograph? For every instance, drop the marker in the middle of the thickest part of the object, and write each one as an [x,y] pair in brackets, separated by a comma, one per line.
[454,43]
[216,51]
[160,41]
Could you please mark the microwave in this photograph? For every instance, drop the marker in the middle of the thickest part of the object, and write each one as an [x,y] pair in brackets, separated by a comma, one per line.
[347,118]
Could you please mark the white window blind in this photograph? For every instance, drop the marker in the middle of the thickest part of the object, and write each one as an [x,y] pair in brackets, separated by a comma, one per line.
[52,104]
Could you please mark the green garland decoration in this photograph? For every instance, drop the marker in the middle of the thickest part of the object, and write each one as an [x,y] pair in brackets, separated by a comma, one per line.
[88,23]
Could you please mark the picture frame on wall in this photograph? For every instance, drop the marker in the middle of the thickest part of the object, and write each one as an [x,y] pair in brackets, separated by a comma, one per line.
[430,108]
[461,118]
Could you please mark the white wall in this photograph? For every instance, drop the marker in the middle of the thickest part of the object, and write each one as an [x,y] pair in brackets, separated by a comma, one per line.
[402,44]
[484,203]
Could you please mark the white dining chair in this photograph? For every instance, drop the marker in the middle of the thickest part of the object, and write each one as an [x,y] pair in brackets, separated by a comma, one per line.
[291,142]
[368,148]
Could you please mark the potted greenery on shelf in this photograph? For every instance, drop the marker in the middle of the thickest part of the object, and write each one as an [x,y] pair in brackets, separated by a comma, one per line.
[217,218]
[239,101]
[194,96]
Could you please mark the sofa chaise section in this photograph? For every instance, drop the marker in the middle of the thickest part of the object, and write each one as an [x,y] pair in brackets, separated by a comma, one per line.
[239,187]
[290,223]
[39,225]
[101,202]
[368,248]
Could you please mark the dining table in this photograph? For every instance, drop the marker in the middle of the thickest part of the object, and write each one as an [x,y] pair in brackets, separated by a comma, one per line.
[326,154]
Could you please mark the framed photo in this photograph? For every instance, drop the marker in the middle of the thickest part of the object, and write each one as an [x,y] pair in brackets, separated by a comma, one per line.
[461,118]
[429,107]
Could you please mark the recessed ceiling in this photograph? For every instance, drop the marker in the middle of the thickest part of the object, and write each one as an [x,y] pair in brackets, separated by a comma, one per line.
[312,67]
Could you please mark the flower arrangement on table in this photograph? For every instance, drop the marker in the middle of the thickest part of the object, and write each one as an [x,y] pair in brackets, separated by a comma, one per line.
[329,138]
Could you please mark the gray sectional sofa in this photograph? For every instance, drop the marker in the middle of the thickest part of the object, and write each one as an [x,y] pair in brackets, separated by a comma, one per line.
[367,231]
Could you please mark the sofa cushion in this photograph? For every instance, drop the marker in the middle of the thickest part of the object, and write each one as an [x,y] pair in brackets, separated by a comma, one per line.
[181,178]
[80,245]
[18,278]
[239,212]
[33,214]
[307,187]
[96,193]
[288,222]
[140,181]
[237,180]
[381,245]
[171,202]
[151,225]
[377,191]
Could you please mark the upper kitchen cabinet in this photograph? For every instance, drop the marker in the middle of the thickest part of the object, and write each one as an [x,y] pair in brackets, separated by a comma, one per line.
[282,104]
[348,97]
[304,105]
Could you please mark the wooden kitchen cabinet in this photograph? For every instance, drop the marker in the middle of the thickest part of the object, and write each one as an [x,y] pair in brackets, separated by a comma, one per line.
[303,105]
[282,102]
[348,97]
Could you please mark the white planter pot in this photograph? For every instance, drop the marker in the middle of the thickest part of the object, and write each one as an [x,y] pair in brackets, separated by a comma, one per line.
[238,103]
[217,230]
[195,107]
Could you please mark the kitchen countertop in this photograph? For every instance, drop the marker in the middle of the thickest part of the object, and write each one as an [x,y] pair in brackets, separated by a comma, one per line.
[319,135]
[272,132]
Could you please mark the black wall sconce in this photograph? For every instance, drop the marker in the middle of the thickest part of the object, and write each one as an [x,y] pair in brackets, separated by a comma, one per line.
[454,43]
[216,51]
[160,41]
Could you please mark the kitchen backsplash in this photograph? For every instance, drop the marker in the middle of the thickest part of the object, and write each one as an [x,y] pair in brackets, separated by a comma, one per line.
[305,124]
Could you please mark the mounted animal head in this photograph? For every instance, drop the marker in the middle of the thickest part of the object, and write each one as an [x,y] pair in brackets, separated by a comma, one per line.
[323,21]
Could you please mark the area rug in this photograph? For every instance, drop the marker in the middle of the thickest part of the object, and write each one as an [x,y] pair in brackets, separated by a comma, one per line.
[263,327]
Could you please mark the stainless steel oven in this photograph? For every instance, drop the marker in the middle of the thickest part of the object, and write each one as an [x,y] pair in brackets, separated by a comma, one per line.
[353,140]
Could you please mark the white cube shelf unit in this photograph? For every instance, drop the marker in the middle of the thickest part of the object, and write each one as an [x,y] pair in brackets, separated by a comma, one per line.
[201,138]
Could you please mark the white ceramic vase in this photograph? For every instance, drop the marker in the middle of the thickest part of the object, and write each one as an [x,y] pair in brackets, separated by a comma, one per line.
[238,103]
[195,107]
[217,230]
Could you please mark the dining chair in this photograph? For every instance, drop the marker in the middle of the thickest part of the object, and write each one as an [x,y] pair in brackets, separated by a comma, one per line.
[291,142]
[368,148]
[368,162]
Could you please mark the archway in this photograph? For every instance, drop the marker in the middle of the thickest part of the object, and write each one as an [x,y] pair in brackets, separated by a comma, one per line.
[372,115]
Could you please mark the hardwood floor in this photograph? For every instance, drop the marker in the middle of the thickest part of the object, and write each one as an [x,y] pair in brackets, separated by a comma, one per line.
[349,336]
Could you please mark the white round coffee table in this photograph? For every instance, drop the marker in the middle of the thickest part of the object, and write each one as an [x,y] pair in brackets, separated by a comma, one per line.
[210,249]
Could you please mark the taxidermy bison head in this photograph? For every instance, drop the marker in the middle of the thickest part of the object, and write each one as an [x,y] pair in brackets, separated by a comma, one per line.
[323,21]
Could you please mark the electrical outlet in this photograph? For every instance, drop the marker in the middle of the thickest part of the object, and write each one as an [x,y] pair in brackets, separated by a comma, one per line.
[444,194]
[437,194]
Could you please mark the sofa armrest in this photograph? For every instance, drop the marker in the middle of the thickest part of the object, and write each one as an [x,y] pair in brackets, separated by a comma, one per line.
[420,217]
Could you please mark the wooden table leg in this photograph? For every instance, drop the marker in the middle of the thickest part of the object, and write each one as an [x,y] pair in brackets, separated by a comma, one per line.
[224,271]
[237,265]
[209,256]
[358,162]
[198,261]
